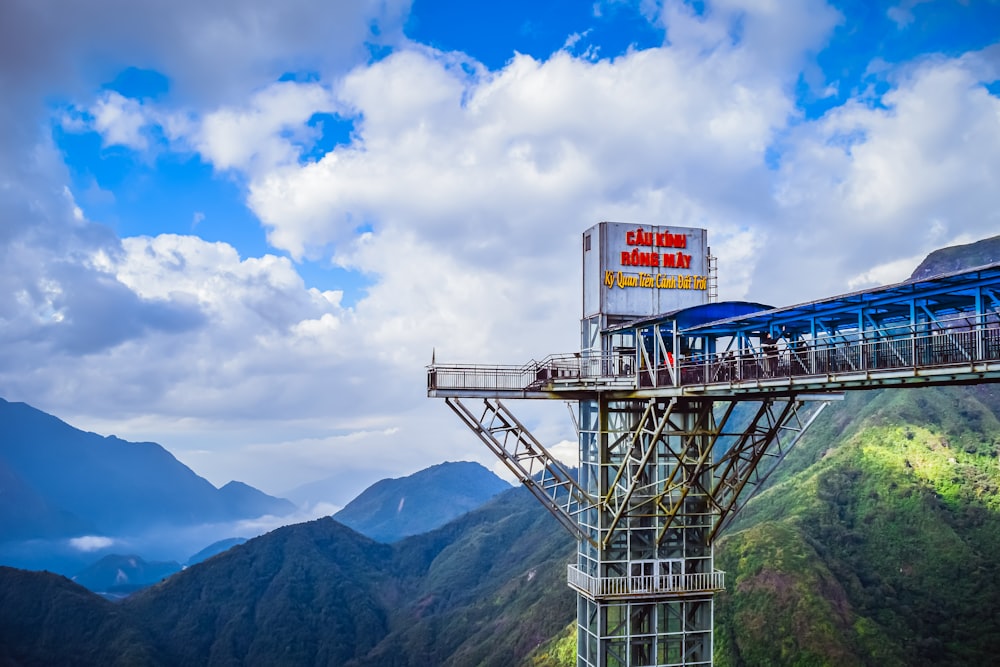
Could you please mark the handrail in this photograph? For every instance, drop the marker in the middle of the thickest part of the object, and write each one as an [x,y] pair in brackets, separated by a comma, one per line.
[821,357]
[574,366]
[697,582]
[937,349]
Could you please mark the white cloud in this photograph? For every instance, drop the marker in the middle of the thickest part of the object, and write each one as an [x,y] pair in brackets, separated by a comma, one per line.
[264,133]
[88,543]
[867,187]
[461,198]
[496,168]
[120,121]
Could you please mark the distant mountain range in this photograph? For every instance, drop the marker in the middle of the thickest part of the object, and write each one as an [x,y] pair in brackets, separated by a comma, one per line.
[117,576]
[334,491]
[60,487]
[386,512]
[485,589]
[396,508]
[76,481]
[59,483]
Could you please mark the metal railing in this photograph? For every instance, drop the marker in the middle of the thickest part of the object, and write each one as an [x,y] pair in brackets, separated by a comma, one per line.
[938,349]
[571,367]
[871,350]
[680,584]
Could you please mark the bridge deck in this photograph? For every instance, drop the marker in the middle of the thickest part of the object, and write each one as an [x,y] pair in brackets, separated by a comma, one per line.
[944,330]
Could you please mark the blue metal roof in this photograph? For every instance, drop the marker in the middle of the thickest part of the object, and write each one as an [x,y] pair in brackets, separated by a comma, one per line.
[944,294]
[695,316]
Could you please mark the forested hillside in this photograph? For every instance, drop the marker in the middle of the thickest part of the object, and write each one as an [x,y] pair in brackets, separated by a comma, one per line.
[876,544]
[880,542]
[485,589]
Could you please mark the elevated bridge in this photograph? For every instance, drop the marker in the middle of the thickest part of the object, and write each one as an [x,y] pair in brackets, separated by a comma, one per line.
[682,416]
[941,330]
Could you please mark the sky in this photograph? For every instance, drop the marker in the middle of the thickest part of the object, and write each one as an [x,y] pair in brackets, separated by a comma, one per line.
[241,229]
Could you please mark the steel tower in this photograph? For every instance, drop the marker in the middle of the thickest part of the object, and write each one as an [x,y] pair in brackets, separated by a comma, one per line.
[685,407]
[644,572]
[658,475]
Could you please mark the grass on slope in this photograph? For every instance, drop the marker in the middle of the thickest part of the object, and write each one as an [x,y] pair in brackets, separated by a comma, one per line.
[883,550]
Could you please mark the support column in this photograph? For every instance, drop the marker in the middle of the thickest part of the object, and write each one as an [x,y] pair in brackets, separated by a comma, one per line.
[658,480]
[650,580]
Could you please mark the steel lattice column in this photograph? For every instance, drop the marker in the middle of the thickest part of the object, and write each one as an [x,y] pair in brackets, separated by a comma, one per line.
[658,479]
[667,473]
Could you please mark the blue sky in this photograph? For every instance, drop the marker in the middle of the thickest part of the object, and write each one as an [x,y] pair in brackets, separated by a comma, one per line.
[240,230]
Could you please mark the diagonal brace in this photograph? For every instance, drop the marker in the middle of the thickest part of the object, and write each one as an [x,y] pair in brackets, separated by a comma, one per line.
[529,461]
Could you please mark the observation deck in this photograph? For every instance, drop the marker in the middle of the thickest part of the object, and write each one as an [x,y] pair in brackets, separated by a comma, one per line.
[640,587]
[942,330]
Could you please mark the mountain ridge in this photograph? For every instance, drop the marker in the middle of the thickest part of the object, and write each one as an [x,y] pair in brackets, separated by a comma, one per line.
[871,533]
[395,508]
[113,485]
[958,258]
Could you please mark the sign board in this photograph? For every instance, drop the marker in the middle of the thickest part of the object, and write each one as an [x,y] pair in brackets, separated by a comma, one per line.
[632,270]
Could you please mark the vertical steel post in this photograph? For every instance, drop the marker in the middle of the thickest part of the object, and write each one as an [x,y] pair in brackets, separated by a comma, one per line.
[652,569]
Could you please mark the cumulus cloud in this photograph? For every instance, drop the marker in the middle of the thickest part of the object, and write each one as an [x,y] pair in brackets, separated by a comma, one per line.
[881,183]
[120,121]
[265,132]
[567,139]
[460,196]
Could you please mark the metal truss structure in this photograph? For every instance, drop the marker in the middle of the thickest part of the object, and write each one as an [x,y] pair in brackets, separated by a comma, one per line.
[737,469]
[658,482]
[528,460]
[682,418]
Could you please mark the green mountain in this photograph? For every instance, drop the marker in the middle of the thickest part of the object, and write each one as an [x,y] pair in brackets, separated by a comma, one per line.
[485,589]
[876,544]
[395,508]
[879,542]
[46,619]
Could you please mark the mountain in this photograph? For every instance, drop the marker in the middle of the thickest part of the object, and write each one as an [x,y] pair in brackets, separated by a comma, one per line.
[215,548]
[956,258]
[46,619]
[878,544]
[395,508]
[336,490]
[116,576]
[485,589]
[252,502]
[25,513]
[60,481]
